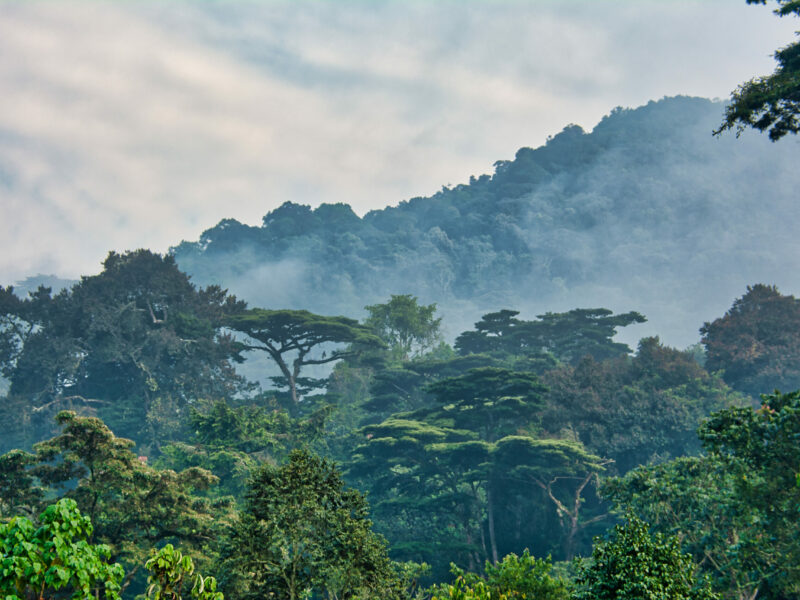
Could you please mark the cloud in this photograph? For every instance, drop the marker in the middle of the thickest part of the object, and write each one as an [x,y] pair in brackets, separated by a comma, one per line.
[136,124]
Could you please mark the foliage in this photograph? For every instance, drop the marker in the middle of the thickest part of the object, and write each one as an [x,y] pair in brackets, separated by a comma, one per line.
[406,326]
[523,577]
[564,473]
[171,571]
[131,504]
[633,564]
[304,531]
[737,508]
[635,410]
[404,387]
[770,103]
[568,336]
[491,401]
[230,442]
[135,344]
[18,489]
[459,465]
[55,558]
[756,344]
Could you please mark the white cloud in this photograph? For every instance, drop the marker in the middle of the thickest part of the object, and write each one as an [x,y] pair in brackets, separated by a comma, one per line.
[139,124]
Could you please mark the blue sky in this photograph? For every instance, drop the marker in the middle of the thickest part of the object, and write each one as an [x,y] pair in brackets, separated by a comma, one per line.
[138,124]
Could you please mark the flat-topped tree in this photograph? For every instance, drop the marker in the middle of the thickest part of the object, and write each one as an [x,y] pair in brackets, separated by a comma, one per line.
[567,336]
[491,401]
[297,338]
[495,332]
[441,456]
[585,332]
[561,469]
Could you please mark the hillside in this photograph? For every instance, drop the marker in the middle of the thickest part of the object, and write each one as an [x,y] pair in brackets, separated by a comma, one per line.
[646,212]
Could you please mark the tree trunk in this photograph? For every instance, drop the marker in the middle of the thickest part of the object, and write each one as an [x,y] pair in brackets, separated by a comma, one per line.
[490,516]
[290,379]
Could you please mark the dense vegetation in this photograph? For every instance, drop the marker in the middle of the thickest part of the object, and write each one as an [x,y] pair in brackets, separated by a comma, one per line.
[505,454]
[535,458]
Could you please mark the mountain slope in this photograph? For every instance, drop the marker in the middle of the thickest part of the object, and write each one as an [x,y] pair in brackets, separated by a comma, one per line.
[647,212]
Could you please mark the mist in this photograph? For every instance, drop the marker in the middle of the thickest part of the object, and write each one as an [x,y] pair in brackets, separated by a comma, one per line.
[648,212]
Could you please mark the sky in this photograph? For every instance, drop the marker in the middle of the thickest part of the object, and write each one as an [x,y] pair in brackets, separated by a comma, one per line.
[140,124]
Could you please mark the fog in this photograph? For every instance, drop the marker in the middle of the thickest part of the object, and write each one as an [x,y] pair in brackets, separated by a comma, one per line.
[648,212]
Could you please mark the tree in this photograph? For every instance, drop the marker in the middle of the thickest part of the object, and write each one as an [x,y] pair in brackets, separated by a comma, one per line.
[297,338]
[497,331]
[404,388]
[135,344]
[303,531]
[756,344]
[633,564]
[561,470]
[19,321]
[584,332]
[455,467]
[770,103]
[405,325]
[635,410]
[19,491]
[491,401]
[737,508]
[171,571]
[132,505]
[694,498]
[760,448]
[424,480]
[231,442]
[514,577]
[568,336]
[55,557]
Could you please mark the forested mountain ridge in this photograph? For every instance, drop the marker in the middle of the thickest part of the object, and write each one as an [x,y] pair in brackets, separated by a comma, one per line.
[648,211]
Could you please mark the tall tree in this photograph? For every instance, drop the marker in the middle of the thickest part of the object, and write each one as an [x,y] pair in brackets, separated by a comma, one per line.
[459,464]
[770,103]
[406,326]
[403,388]
[737,508]
[568,336]
[491,401]
[495,332]
[304,531]
[135,344]
[561,470]
[424,481]
[756,344]
[297,338]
